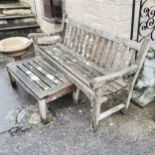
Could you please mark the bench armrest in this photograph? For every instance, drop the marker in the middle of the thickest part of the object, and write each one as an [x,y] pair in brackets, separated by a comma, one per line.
[38,35]
[99,81]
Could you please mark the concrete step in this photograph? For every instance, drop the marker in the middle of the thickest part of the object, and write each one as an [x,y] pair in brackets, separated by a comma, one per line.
[15,27]
[17,21]
[14,6]
[16,17]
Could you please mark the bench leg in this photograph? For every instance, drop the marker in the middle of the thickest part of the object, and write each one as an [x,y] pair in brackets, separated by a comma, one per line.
[43,110]
[96,107]
[76,94]
[12,81]
[96,112]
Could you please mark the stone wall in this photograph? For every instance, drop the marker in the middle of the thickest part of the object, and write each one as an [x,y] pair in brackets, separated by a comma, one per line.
[38,10]
[112,16]
[45,25]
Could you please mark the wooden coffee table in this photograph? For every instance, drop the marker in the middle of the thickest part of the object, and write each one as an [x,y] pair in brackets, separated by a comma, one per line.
[42,80]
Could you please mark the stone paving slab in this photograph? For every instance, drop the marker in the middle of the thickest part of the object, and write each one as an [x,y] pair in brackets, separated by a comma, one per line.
[11,102]
[70,134]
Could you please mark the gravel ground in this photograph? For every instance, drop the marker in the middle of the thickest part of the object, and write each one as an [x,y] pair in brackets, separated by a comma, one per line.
[70,132]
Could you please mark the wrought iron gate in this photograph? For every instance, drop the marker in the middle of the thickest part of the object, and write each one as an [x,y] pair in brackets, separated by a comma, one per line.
[146,21]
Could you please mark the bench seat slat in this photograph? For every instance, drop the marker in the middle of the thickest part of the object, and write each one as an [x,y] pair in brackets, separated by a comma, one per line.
[112,87]
[90,66]
[51,79]
[22,75]
[75,62]
[33,77]
[122,83]
[75,71]
[116,86]
[65,58]
[50,69]
[61,58]
[38,71]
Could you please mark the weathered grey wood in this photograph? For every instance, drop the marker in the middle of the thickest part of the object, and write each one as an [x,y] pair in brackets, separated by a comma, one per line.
[92,56]
[70,76]
[111,111]
[69,66]
[20,77]
[98,63]
[66,34]
[36,72]
[99,49]
[92,60]
[12,81]
[105,54]
[97,82]
[81,59]
[89,41]
[76,63]
[60,91]
[105,35]
[116,86]
[49,78]
[142,55]
[22,72]
[76,39]
[121,82]
[76,94]
[43,110]
[33,77]
[50,69]
[96,108]
[112,55]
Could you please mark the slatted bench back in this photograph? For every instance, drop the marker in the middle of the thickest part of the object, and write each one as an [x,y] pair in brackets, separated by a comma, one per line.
[107,51]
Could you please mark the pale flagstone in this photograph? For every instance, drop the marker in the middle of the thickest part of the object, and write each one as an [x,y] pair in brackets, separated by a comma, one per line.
[12,115]
[34,118]
[11,102]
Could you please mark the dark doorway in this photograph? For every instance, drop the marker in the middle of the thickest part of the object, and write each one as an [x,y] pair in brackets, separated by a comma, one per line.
[53,10]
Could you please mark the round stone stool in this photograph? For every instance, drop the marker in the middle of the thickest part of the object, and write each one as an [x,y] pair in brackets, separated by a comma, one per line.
[15,47]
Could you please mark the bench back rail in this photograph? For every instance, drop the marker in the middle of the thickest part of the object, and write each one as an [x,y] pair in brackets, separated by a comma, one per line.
[107,51]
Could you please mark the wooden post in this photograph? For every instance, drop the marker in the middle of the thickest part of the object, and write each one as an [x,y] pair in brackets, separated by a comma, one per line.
[76,94]
[43,110]
[142,55]
[96,111]
[12,81]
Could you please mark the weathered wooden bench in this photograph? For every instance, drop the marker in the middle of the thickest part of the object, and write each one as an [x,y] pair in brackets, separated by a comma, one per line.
[102,66]
[42,80]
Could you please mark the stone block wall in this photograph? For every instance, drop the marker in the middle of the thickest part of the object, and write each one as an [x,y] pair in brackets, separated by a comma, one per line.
[45,25]
[113,16]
